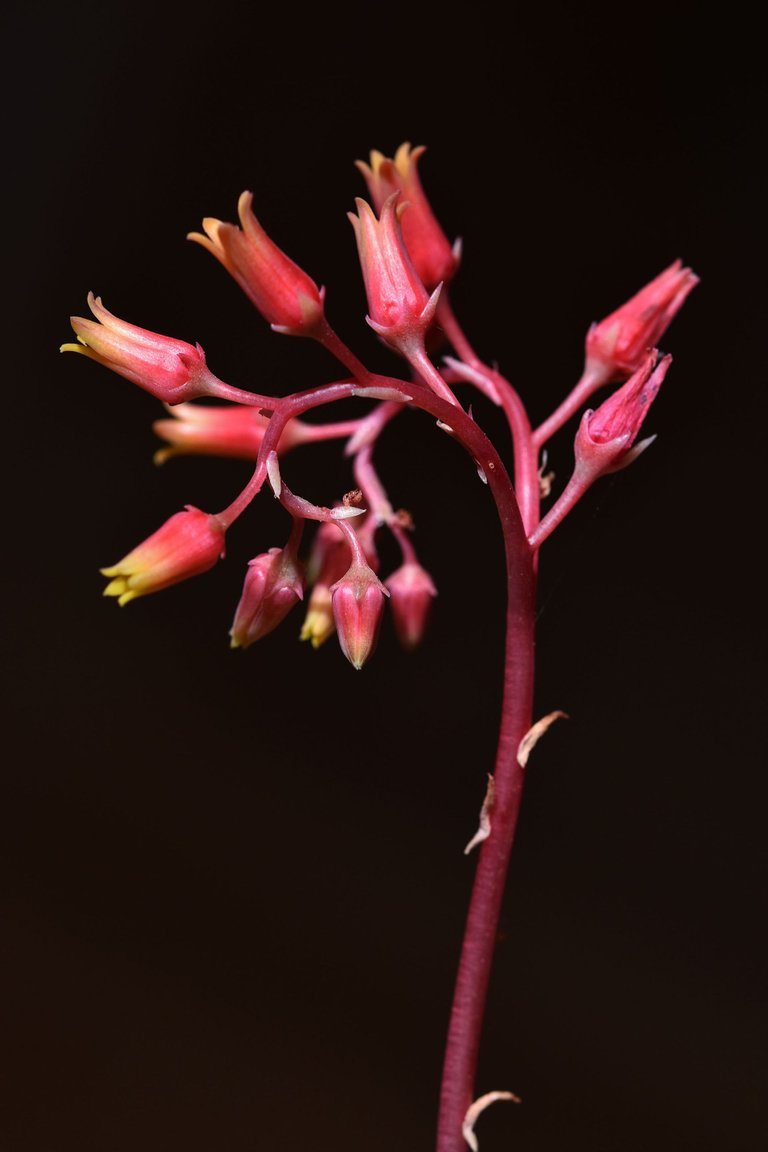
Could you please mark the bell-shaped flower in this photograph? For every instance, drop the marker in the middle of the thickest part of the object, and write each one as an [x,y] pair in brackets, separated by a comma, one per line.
[435,260]
[358,604]
[189,543]
[617,346]
[400,309]
[273,586]
[284,294]
[169,369]
[412,592]
[235,430]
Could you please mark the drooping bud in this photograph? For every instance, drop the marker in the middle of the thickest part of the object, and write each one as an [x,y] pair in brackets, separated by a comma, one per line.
[400,310]
[169,369]
[434,259]
[189,543]
[412,592]
[273,586]
[284,294]
[617,346]
[358,605]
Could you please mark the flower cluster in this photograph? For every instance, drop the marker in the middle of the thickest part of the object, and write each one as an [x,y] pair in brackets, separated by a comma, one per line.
[408,265]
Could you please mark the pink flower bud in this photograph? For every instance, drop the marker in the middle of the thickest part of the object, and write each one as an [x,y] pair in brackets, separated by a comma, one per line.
[605,437]
[617,346]
[169,369]
[235,430]
[428,247]
[358,604]
[273,585]
[286,297]
[400,308]
[189,543]
[412,592]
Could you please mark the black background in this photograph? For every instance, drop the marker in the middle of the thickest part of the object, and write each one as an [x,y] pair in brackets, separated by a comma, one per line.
[232,884]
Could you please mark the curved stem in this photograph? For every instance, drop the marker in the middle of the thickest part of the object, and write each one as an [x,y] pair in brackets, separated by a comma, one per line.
[471,989]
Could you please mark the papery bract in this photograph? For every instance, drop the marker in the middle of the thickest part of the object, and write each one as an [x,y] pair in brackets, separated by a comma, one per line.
[273,586]
[189,543]
[282,292]
[617,345]
[169,369]
[433,257]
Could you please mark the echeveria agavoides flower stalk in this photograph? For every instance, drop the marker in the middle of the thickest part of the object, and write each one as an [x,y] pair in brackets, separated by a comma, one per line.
[189,543]
[282,292]
[171,370]
[408,267]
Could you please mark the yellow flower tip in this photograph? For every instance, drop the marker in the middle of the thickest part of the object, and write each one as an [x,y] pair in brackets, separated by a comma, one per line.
[317,627]
[163,454]
[72,347]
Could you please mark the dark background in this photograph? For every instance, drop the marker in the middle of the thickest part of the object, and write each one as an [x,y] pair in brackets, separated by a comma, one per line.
[232,884]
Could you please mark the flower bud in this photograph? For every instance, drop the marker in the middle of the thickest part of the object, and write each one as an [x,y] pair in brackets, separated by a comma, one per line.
[358,604]
[273,585]
[618,345]
[411,594]
[235,430]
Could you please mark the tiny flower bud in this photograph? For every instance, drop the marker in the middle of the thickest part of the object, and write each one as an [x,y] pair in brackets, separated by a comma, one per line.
[190,543]
[400,308]
[273,585]
[428,247]
[412,592]
[605,437]
[169,369]
[235,430]
[618,345]
[358,604]
[286,297]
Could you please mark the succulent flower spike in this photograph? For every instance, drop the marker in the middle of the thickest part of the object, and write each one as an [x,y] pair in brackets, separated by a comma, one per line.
[435,260]
[273,586]
[618,345]
[285,295]
[190,543]
[411,592]
[169,369]
[400,309]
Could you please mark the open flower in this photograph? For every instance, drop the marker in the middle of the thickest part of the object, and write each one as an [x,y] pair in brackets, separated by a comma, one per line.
[435,260]
[169,369]
[285,295]
[400,308]
[189,543]
[617,346]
